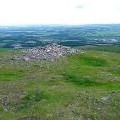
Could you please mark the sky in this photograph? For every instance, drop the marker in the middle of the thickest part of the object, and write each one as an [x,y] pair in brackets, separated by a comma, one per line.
[17,12]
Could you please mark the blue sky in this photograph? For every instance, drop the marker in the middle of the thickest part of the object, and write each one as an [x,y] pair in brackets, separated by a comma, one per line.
[59,12]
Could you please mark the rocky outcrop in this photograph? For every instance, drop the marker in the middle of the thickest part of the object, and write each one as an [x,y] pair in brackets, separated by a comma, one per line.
[48,52]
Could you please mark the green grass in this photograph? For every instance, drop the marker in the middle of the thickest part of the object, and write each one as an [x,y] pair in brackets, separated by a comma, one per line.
[108,48]
[29,99]
[10,75]
[69,88]
[93,61]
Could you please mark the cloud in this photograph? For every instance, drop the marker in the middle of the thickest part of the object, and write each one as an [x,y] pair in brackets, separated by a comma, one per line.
[80,6]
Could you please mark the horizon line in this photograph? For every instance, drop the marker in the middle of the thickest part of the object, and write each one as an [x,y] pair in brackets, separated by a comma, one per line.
[37,24]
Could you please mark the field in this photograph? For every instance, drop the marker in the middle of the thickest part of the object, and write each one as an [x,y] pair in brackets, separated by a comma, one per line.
[68,35]
[76,87]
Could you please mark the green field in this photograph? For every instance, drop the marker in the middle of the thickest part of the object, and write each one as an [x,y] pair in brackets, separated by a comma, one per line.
[76,87]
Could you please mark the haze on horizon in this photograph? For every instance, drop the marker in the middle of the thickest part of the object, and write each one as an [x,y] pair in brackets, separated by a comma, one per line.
[17,12]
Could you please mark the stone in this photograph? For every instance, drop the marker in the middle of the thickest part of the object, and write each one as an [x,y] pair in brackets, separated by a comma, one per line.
[48,52]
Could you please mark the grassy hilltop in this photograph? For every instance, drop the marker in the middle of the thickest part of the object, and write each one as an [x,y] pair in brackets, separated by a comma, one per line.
[78,86]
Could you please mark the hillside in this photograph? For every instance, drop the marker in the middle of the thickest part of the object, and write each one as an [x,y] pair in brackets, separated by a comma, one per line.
[78,86]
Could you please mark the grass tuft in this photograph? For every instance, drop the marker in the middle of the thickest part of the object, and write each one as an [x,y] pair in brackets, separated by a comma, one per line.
[30,99]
